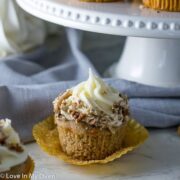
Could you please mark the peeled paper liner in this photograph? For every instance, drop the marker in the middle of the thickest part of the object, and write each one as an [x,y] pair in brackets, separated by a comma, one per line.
[46,135]
[30,169]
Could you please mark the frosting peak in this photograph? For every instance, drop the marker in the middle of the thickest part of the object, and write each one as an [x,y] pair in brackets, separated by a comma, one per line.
[96,94]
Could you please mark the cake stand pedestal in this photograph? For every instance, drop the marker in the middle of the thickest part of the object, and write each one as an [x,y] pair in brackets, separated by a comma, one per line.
[152,52]
[150,61]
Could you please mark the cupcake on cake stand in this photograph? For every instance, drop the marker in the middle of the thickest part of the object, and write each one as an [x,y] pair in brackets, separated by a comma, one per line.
[152,51]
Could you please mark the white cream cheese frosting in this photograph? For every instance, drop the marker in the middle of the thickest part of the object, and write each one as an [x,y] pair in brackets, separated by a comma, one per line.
[92,102]
[8,157]
[96,94]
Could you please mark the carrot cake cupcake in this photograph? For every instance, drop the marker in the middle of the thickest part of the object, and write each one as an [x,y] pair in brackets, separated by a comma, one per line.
[167,5]
[91,119]
[14,159]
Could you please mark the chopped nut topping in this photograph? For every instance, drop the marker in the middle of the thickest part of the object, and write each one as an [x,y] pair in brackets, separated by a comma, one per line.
[15,147]
[74,109]
[60,99]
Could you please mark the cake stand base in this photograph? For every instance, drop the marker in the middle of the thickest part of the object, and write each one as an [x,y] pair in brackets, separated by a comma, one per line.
[150,61]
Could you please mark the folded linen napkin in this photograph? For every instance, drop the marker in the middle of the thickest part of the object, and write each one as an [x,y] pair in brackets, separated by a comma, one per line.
[19,31]
[30,82]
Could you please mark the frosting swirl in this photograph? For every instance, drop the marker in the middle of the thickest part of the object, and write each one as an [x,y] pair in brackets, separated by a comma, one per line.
[94,103]
[10,138]
[96,94]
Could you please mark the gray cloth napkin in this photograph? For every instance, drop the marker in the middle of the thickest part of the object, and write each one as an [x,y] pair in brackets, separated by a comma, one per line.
[30,82]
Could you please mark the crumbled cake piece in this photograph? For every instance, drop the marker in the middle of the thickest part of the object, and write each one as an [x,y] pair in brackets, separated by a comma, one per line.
[141,6]
[15,147]
[178,131]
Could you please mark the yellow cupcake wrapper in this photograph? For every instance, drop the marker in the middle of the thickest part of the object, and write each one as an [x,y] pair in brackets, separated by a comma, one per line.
[24,174]
[46,135]
[30,171]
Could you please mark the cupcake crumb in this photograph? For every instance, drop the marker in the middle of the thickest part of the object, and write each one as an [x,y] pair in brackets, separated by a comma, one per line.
[178,131]
[16,148]
[141,6]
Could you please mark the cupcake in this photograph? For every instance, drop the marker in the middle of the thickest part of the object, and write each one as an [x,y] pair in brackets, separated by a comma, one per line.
[14,160]
[91,119]
[166,5]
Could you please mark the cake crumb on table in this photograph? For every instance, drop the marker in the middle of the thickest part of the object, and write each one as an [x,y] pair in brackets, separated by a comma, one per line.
[141,6]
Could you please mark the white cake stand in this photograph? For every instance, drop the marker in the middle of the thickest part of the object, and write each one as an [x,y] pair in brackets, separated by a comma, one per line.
[152,50]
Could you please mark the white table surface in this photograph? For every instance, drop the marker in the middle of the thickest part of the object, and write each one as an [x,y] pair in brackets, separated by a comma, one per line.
[158,158]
